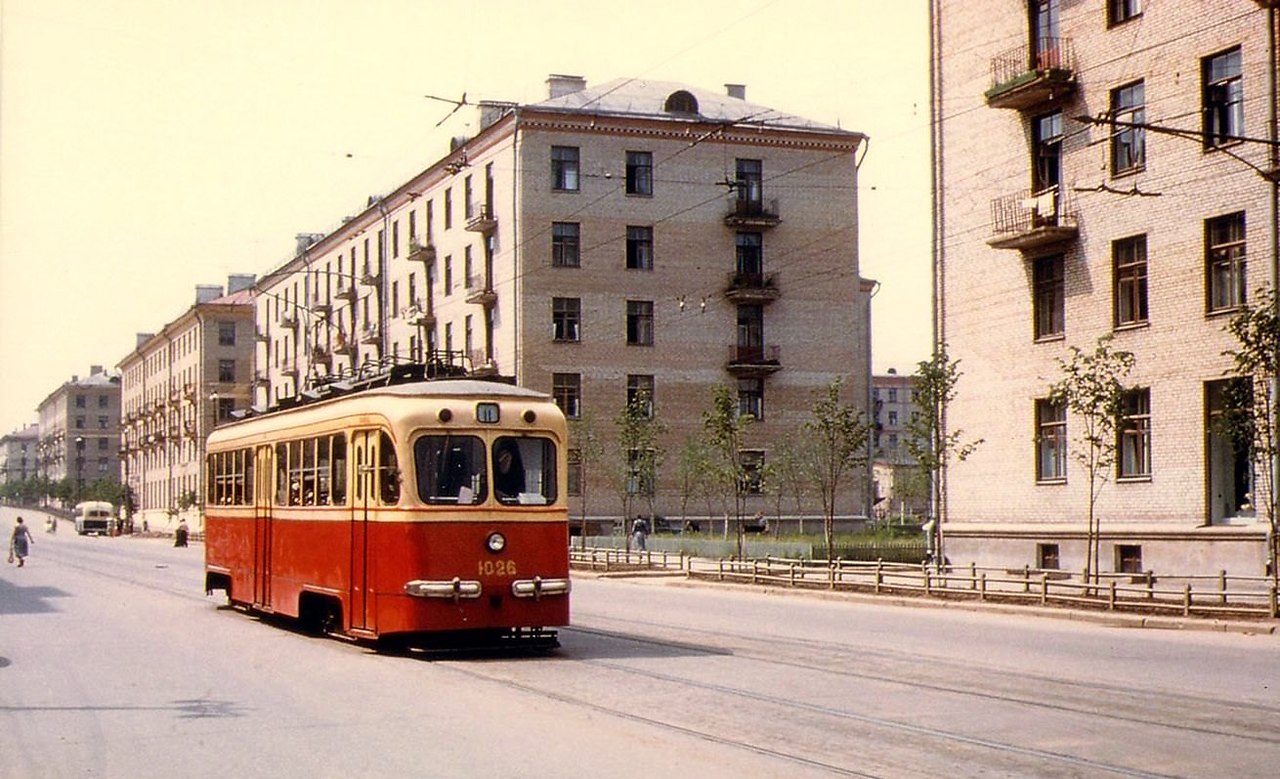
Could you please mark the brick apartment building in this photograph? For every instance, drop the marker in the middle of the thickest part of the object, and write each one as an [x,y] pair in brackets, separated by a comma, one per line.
[174,386]
[1102,168]
[633,237]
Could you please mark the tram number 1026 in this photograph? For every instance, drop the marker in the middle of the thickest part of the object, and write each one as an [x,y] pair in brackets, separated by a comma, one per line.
[497,568]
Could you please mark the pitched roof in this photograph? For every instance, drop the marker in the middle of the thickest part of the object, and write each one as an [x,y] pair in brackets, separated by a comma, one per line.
[641,97]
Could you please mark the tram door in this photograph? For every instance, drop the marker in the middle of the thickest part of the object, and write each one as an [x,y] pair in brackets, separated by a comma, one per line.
[263,493]
[364,457]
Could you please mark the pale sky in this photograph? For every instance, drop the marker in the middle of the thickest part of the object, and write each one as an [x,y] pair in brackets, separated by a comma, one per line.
[147,146]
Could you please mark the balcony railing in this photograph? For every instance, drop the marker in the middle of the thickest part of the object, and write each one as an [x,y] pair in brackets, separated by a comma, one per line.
[485,296]
[289,320]
[753,360]
[369,334]
[420,252]
[1028,76]
[752,213]
[417,316]
[484,220]
[347,293]
[1029,221]
[369,276]
[752,287]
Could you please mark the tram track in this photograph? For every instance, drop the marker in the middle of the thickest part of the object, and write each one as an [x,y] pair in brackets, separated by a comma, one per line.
[1125,705]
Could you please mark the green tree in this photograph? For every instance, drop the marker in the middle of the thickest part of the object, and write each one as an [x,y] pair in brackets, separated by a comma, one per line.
[1092,389]
[838,432]
[692,474]
[725,429]
[586,446]
[1256,328]
[929,441]
[640,457]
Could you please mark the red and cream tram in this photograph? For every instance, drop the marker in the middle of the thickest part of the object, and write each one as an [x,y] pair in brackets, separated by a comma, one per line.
[427,508]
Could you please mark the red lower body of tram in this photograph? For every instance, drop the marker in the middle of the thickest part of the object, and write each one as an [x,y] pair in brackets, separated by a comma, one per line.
[395,576]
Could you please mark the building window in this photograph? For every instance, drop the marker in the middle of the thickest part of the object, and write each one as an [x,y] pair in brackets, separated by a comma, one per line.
[1128,141]
[1130,267]
[226,334]
[1049,301]
[565,245]
[752,471]
[751,398]
[80,401]
[640,173]
[1225,261]
[1047,557]
[893,417]
[1223,98]
[640,390]
[225,407]
[1135,434]
[1047,143]
[1051,441]
[448,275]
[566,389]
[750,254]
[566,315]
[1120,11]
[226,370]
[749,182]
[448,208]
[639,248]
[1128,558]
[564,168]
[640,322]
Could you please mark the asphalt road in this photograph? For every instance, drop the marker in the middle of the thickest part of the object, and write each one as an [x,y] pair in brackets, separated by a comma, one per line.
[113,663]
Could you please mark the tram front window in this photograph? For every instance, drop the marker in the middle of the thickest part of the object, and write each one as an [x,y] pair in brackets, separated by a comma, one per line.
[524,470]
[450,469]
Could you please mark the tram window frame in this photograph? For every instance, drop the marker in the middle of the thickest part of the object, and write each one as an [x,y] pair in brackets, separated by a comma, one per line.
[537,463]
[465,459]
[229,478]
[388,471]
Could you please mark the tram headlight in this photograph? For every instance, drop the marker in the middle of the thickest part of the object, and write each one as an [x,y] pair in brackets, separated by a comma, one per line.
[496,542]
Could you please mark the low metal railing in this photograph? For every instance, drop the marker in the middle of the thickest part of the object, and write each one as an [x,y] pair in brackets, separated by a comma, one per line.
[1211,595]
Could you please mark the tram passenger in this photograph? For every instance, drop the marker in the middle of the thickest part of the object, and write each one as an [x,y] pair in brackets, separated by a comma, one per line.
[508,476]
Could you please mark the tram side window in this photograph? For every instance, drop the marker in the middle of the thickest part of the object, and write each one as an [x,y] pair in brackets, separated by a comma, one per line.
[524,470]
[450,469]
[339,461]
[229,478]
[388,471]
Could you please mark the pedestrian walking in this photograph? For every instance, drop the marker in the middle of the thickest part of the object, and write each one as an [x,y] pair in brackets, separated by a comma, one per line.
[640,530]
[180,535]
[20,542]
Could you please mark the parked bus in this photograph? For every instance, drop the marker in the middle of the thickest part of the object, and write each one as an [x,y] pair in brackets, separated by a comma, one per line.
[426,508]
[94,516]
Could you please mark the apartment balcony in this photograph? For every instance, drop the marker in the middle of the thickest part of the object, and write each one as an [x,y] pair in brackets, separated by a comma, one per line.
[484,296]
[1022,78]
[318,305]
[756,214]
[422,252]
[320,356]
[289,320]
[347,293]
[753,361]
[752,288]
[289,368]
[483,221]
[416,316]
[1028,222]
[369,276]
[261,337]
[369,335]
[482,365]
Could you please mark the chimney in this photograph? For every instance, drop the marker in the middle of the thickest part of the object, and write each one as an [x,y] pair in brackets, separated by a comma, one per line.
[493,110]
[303,241]
[94,370]
[738,91]
[559,86]
[207,292]
[239,281]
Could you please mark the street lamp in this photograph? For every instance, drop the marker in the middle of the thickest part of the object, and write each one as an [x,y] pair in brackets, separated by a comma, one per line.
[79,466]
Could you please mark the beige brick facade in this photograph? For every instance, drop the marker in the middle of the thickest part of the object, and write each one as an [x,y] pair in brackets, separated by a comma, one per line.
[1186,506]
[539,201]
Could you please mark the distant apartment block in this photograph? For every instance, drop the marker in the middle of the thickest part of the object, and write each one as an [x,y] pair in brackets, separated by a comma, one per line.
[175,386]
[79,425]
[18,454]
